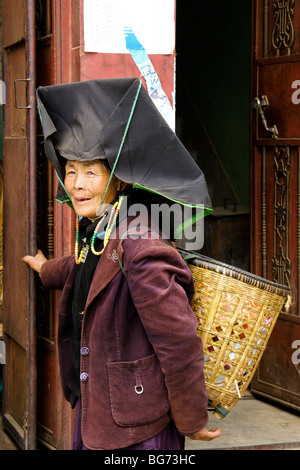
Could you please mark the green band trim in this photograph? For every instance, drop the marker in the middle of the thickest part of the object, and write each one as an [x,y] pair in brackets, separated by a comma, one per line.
[207,210]
[67,199]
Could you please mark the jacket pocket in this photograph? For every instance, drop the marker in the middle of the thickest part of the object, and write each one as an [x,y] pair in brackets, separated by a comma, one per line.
[138,394]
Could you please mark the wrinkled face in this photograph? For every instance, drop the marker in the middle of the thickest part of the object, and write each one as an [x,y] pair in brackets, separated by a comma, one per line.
[86,183]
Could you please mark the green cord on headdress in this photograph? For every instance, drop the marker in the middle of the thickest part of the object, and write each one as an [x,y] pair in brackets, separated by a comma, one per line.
[123,140]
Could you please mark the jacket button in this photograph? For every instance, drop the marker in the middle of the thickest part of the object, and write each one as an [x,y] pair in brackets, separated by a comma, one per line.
[84,351]
[84,376]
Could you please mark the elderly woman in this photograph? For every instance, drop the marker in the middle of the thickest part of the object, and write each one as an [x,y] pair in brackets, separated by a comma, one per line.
[130,356]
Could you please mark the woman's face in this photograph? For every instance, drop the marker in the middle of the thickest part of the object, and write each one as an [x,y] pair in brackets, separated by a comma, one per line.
[85,183]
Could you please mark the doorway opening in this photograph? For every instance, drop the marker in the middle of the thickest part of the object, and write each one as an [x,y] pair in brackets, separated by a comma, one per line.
[213,63]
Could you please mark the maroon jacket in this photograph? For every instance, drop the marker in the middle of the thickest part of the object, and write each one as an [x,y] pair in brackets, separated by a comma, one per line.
[141,356]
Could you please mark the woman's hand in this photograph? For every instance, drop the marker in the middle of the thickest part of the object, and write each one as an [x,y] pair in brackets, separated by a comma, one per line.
[205,434]
[35,262]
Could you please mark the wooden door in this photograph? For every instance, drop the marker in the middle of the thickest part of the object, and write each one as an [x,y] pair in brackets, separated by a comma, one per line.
[19,161]
[275,184]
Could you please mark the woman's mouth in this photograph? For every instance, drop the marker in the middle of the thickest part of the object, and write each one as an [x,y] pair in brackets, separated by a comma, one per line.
[81,200]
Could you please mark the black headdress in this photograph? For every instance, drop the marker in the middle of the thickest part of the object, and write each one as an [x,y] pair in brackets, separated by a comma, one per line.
[115,119]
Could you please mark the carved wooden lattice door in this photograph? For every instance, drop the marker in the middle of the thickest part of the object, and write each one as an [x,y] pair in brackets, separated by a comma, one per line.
[275,184]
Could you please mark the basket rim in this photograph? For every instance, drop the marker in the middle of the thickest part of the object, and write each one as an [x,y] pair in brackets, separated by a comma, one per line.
[201,261]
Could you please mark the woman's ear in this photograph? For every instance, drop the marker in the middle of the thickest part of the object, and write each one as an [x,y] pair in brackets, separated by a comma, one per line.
[121,186]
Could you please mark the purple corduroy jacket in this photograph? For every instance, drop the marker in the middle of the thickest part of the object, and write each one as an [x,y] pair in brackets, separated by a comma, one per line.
[141,356]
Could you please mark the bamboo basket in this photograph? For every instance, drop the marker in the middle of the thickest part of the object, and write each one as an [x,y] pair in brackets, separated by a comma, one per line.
[236,314]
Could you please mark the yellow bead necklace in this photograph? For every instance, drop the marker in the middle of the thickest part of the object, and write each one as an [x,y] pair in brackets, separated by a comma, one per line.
[110,226]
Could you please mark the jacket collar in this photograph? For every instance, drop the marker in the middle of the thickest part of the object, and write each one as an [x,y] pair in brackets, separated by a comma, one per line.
[107,268]
[111,259]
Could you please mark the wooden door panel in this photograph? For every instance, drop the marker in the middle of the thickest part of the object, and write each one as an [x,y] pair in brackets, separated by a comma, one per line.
[281,28]
[275,187]
[275,215]
[277,376]
[275,80]
[19,214]
[47,406]
[15,122]
[16,383]
[14,414]
[16,276]
[13,22]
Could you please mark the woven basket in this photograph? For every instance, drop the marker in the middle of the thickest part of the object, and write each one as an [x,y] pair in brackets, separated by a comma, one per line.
[236,314]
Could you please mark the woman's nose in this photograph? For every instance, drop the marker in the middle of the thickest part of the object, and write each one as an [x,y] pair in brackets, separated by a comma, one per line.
[79,181]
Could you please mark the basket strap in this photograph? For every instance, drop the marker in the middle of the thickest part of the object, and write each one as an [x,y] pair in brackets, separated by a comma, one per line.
[133,230]
[186,256]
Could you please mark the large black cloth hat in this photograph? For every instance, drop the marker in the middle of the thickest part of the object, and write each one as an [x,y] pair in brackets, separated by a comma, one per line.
[115,119]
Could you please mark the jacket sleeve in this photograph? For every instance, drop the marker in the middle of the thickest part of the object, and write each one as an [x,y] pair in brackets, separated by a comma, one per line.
[162,286]
[55,272]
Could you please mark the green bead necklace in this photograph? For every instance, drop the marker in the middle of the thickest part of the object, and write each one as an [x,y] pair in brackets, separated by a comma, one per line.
[110,226]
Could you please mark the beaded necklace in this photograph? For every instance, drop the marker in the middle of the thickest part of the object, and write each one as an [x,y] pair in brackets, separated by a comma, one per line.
[109,228]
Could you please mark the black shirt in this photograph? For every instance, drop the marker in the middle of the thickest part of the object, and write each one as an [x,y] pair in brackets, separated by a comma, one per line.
[84,276]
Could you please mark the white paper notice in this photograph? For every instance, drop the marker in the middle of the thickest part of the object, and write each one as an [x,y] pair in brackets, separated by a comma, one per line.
[152,22]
